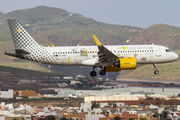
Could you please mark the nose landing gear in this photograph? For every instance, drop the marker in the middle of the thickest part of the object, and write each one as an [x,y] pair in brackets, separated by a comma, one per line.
[155,70]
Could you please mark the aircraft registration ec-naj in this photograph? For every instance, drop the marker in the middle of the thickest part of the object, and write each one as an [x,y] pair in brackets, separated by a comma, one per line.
[112,58]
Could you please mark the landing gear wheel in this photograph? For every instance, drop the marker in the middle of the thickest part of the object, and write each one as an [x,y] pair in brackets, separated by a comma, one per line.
[156,72]
[102,72]
[93,73]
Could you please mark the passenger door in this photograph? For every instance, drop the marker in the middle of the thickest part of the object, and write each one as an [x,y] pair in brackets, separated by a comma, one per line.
[157,52]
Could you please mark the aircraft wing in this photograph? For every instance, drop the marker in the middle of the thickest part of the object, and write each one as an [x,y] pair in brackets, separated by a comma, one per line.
[105,56]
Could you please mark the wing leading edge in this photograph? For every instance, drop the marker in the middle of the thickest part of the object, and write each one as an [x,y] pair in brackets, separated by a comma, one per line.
[105,56]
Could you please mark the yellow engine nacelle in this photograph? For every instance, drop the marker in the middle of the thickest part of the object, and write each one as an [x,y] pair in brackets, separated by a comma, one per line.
[127,63]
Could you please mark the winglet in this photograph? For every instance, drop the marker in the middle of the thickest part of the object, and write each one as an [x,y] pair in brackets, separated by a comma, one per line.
[98,43]
[52,45]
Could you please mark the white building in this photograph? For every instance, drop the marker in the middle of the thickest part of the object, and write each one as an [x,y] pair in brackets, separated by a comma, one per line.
[140,91]
[121,97]
[2,118]
[92,117]
[6,94]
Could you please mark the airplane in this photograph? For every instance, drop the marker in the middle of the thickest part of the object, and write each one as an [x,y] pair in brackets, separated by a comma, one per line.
[111,58]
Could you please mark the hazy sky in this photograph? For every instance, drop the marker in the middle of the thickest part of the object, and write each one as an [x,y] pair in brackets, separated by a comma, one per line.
[139,13]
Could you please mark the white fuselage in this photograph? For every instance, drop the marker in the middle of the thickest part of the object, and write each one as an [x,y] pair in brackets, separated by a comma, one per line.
[144,54]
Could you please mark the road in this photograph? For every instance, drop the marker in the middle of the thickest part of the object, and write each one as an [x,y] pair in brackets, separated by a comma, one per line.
[147,80]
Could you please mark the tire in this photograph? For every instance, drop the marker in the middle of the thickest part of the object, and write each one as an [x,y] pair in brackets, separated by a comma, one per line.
[156,72]
[102,72]
[93,73]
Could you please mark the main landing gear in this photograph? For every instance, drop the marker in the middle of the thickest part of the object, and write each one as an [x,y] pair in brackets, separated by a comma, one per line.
[102,72]
[93,73]
[155,70]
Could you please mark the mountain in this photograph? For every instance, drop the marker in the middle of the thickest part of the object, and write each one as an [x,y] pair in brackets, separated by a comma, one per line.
[159,34]
[1,13]
[63,28]
[30,72]
[55,26]
[49,25]
[168,71]
[33,15]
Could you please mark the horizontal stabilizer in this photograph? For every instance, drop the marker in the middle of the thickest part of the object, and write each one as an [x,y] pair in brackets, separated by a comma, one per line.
[21,51]
[16,52]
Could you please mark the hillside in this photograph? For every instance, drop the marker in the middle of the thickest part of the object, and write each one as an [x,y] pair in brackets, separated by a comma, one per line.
[1,13]
[56,26]
[168,71]
[50,25]
[159,34]
[29,72]
[33,15]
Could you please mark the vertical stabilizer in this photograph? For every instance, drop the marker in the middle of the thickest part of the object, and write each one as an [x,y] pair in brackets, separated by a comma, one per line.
[21,38]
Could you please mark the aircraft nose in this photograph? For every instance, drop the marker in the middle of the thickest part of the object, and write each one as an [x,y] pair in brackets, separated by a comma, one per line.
[175,56]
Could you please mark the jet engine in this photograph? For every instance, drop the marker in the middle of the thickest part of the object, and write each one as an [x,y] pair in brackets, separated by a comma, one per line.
[126,63]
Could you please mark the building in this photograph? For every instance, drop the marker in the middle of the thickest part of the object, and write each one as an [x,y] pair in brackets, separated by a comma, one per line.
[68,77]
[12,118]
[92,116]
[146,116]
[24,93]
[122,97]
[80,76]
[62,84]
[74,82]
[127,116]
[75,116]
[6,94]
[123,116]
[116,92]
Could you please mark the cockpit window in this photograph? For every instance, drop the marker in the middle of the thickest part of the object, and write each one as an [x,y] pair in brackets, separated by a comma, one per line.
[168,50]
